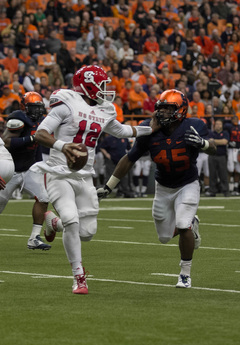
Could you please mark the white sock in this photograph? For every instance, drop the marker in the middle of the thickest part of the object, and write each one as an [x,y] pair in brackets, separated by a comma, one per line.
[137,189]
[185,267]
[236,185]
[36,230]
[72,246]
[144,189]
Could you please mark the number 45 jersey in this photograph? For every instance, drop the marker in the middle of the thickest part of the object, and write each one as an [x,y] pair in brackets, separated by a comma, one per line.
[71,119]
[175,160]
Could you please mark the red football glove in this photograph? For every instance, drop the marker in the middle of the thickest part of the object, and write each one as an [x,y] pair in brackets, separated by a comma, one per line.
[2,183]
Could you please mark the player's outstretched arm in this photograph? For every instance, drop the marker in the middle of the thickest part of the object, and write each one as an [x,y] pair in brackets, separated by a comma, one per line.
[193,138]
[122,168]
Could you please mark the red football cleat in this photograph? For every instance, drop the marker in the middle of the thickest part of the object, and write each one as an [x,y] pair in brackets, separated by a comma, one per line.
[80,284]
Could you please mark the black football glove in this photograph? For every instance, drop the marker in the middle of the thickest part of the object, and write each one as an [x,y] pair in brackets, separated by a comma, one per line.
[193,138]
[102,193]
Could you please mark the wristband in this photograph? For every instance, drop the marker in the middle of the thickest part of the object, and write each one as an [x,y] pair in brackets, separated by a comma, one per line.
[143,130]
[112,183]
[206,145]
[58,145]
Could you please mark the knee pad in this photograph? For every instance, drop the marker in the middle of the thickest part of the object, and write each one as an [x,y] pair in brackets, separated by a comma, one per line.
[87,227]
[86,239]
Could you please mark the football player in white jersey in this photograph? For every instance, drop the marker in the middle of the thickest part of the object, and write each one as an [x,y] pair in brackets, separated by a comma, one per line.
[6,165]
[78,116]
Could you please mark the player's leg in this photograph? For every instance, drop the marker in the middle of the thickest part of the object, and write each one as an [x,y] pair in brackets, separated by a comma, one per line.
[163,213]
[230,168]
[213,176]
[34,186]
[6,193]
[136,177]
[7,169]
[205,168]
[186,205]
[62,196]
[146,166]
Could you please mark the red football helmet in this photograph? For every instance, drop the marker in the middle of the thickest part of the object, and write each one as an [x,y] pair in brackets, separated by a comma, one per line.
[172,106]
[91,81]
[32,104]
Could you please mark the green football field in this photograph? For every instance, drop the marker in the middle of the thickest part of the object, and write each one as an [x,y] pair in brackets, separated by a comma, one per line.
[132,297]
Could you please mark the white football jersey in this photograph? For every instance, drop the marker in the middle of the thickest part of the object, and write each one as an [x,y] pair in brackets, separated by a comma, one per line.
[71,119]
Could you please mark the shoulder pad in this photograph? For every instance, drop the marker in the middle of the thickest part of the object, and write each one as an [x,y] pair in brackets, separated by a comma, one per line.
[14,125]
[54,102]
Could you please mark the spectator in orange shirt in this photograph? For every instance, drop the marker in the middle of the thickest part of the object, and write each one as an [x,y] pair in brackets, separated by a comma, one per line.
[168,81]
[30,29]
[79,6]
[146,73]
[33,4]
[204,42]
[7,99]
[10,62]
[136,99]
[197,101]
[124,94]
[214,24]
[126,75]
[149,103]
[17,88]
[236,101]
[4,21]
[118,106]
[175,65]
[151,45]
[114,84]
[40,72]
[25,58]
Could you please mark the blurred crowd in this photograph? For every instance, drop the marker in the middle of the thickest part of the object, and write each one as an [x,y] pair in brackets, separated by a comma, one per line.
[145,47]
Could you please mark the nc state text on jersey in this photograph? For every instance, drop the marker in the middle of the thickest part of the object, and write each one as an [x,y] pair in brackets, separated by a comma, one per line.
[91,117]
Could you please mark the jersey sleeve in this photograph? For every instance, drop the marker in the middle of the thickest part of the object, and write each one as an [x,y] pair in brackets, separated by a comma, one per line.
[116,129]
[139,148]
[55,117]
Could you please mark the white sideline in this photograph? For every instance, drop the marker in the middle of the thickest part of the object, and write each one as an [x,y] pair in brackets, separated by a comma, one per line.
[134,243]
[119,281]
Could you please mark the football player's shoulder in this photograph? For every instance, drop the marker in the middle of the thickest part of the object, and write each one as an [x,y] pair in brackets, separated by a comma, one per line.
[145,122]
[196,123]
[65,96]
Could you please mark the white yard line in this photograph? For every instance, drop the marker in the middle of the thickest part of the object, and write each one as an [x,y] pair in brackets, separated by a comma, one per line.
[133,243]
[121,227]
[164,274]
[8,229]
[120,281]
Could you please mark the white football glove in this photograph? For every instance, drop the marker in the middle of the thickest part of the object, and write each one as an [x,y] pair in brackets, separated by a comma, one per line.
[102,193]
[232,144]
[193,138]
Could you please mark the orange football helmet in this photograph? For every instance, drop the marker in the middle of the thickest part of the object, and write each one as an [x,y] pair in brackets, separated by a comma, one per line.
[172,106]
[32,104]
